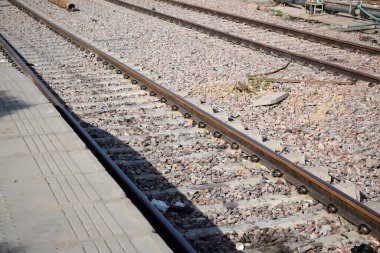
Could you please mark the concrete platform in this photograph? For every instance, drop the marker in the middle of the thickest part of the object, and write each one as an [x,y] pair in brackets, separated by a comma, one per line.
[54,194]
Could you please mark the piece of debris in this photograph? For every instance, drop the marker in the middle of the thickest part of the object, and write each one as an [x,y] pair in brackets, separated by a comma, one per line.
[180,207]
[270,99]
[367,38]
[239,246]
[160,205]
[269,73]
[179,204]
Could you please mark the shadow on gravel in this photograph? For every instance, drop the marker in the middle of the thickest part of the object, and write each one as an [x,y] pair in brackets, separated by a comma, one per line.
[175,206]
[197,228]
[5,247]
[9,104]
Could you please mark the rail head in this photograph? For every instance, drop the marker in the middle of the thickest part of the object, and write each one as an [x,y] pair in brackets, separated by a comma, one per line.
[172,237]
[357,74]
[287,30]
[366,219]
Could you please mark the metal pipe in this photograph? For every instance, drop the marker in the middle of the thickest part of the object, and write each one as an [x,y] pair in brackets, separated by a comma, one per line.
[66,4]
[335,7]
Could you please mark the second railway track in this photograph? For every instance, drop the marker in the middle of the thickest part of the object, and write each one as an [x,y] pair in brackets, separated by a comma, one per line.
[214,194]
[322,52]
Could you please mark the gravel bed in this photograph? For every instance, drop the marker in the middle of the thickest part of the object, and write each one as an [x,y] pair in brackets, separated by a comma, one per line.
[355,60]
[308,121]
[321,234]
[237,216]
[227,194]
[180,55]
[334,126]
[191,170]
[249,9]
[324,227]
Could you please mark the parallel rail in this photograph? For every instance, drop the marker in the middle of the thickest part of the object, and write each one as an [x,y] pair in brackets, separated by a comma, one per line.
[172,237]
[366,219]
[357,74]
[287,30]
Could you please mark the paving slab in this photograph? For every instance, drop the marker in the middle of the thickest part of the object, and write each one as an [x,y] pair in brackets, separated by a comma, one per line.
[26,168]
[55,196]
[375,205]
[296,157]
[350,189]
[321,172]
[270,99]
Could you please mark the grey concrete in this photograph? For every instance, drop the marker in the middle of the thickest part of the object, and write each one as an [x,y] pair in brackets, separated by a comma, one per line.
[321,172]
[270,99]
[350,189]
[375,205]
[54,194]
[296,157]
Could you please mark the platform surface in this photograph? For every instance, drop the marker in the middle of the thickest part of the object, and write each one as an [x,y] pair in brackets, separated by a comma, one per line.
[54,194]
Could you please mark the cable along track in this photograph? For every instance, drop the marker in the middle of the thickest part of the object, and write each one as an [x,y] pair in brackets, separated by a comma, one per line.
[155,147]
[325,57]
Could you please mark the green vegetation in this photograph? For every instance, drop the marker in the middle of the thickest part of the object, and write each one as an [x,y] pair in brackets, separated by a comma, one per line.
[254,85]
[276,12]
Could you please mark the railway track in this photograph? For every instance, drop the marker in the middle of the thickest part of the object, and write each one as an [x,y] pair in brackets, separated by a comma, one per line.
[277,28]
[213,188]
[316,50]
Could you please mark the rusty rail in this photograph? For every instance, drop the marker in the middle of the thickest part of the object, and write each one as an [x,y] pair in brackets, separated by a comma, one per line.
[254,44]
[366,219]
[286,30]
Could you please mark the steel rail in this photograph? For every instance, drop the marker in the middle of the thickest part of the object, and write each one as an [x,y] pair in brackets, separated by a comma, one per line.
[286,30]
[366,219]
[357,74]
[170,235]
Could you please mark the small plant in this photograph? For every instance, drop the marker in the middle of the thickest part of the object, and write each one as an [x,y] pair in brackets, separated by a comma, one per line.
[276,12]
[253,86]
[259,84]
[244,87]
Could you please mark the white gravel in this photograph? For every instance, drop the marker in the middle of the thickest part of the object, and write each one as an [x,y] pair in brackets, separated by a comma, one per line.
[334,126]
